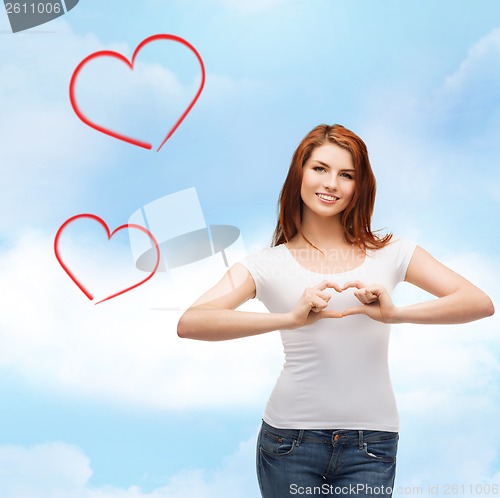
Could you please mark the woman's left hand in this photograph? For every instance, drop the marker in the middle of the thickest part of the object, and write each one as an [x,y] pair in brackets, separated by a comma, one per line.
[376,303]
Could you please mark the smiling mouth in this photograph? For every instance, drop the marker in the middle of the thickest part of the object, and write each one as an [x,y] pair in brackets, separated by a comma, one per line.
[327,197]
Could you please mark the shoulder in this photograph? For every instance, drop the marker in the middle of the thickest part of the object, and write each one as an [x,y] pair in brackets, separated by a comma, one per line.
[395,256]
[265,262]
[265,266]
[396,246]
[268,254]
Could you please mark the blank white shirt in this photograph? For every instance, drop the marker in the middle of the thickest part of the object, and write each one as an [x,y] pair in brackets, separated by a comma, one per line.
[335,374]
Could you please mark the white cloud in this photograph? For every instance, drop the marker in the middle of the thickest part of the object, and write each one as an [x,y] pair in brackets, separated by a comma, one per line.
[446,383]
[127,349]
[45,150]
[476,80]
[451,358]
[121,350]
[57,470]
[434,155]
[53,335]
[50,160]
[235,477]
[466,106]
[438,456]
[463,107]
[47,153]
[53,469]
[445,377]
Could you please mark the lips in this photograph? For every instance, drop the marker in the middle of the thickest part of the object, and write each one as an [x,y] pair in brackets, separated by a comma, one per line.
[327,197]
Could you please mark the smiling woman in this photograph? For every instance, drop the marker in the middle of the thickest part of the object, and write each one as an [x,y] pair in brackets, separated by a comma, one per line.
[327,181]
[327,282]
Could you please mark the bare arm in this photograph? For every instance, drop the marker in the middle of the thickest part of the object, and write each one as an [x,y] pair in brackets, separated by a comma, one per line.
[213,317]
[459,301]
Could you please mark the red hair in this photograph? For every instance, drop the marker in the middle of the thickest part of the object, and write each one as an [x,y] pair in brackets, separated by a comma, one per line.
[356,218]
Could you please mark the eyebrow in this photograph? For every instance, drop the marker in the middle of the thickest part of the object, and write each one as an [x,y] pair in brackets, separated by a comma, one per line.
[329,167]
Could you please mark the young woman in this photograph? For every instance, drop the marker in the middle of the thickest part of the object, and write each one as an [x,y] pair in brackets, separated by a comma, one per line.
[331,423]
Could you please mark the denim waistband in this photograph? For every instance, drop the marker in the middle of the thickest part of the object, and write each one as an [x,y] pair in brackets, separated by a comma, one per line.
[329,436]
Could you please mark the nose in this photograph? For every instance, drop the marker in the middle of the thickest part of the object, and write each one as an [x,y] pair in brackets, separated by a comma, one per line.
[330,181]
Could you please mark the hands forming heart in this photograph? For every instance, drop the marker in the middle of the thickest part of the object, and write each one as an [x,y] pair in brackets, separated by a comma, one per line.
[376,303]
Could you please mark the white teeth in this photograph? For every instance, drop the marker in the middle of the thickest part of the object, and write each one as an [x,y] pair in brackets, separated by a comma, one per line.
[327,197]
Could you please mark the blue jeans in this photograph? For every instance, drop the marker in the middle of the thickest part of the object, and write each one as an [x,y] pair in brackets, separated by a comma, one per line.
[292,462]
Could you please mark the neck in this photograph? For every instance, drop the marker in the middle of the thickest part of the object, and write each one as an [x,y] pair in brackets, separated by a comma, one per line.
[323,231]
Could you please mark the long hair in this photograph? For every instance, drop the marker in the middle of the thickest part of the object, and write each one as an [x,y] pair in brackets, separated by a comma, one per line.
[356,218]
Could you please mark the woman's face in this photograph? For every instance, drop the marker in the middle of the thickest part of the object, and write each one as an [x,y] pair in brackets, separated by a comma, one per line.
[328,180]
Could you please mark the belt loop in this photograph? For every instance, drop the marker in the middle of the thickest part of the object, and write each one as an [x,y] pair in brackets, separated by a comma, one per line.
[300,436]
[360,440]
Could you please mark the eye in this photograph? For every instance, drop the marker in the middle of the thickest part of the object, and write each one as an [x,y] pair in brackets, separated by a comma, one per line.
[347,175]
[320,169]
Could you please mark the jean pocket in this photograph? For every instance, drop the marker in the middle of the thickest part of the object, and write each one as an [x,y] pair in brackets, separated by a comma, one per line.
[276,444]
[382,448]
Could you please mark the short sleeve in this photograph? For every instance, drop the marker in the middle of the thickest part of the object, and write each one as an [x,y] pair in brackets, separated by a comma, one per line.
[403,250]
[255,264]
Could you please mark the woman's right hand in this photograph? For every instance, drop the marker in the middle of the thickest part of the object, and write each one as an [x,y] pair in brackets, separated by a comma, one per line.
[312,305]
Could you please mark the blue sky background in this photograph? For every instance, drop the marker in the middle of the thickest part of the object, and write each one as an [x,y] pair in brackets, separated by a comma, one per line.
[105,401]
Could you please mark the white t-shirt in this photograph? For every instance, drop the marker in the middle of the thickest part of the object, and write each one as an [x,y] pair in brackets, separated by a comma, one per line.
[335,374]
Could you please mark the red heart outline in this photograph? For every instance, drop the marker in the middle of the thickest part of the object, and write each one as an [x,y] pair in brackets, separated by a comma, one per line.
[130,64]
[109,234]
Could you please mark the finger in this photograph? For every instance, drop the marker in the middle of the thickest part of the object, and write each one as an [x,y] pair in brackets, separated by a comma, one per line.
[317,304]
[361,296]
[371,296]
[374,289]
[356,310]
[328,284]
[314,296]
[330,314]
[324,295]
[365,296]
[353,283]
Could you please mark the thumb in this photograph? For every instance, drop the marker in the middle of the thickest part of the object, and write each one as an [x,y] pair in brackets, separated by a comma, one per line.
[356,310]
[330,314]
